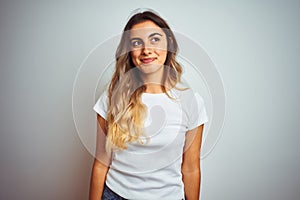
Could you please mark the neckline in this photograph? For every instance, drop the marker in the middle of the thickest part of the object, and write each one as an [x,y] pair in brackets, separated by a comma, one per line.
[170,92]
[148,93]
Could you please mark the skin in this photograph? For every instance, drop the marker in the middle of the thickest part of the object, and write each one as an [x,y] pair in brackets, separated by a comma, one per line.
[190,169]
[149,52]
[148,44]
[101,162]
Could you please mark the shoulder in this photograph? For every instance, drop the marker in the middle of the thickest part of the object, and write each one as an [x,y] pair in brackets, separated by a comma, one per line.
[101,106]
[186,94]
[189,99]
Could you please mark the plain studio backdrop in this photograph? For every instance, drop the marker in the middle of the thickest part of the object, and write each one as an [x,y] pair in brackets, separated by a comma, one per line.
[254,44]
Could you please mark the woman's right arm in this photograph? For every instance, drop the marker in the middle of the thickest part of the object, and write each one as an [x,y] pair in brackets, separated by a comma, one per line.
[101,162]
[97,180]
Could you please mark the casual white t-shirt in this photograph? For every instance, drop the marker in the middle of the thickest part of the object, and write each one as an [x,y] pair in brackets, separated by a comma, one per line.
[152,169]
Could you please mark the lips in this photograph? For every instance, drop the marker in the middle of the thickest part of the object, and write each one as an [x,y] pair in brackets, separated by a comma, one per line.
[147,60]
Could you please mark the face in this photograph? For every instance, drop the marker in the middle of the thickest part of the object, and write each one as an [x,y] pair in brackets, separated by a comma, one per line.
[148,45]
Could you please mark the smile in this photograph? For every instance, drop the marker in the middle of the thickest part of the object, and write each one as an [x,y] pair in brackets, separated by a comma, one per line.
[147,60]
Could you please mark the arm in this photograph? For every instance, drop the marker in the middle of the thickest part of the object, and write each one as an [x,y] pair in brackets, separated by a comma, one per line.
[191,163]
[101,162]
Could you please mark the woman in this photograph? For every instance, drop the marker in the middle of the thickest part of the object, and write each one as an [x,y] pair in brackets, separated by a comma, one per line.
[152,122]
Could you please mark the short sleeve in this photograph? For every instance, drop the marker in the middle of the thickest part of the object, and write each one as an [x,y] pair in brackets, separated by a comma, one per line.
[101,106]
[198,115]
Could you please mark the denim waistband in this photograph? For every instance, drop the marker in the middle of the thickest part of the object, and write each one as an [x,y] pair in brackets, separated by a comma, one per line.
[108,194]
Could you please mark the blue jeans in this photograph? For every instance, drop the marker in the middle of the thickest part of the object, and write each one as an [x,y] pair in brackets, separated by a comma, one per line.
[108,194]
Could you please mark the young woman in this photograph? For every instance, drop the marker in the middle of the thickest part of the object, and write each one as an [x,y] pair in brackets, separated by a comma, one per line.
[150,123]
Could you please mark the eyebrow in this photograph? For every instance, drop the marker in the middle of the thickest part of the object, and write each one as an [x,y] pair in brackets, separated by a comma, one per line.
[151,35]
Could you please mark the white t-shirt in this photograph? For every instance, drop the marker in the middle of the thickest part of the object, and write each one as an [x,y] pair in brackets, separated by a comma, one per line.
[152,170]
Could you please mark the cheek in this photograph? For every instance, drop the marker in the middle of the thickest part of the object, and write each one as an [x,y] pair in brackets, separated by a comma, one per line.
[162,52]
[162,55]
[134,55]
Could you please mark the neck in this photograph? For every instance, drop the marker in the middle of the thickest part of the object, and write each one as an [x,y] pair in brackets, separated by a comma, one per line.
[153,82]
[152,78]
[153,88]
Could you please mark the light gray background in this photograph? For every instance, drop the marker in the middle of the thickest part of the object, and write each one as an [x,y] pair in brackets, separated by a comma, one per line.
[255,45]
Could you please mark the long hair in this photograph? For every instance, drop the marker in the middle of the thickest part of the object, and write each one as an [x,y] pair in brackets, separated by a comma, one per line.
[126,113]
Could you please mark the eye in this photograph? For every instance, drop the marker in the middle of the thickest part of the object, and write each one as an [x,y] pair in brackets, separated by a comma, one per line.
[155,39]
[136,43]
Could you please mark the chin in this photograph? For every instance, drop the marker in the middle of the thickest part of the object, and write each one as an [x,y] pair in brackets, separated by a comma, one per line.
[150,68]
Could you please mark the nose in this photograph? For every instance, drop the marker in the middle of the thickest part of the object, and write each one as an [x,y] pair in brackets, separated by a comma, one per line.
[147,49]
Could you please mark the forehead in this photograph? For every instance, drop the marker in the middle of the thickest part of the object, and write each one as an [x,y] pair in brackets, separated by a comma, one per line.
[145,29]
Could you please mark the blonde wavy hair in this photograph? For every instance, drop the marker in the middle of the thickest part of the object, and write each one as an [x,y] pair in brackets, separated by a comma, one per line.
[126,113]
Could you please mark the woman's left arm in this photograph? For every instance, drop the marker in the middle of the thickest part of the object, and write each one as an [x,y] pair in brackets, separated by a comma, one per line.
[191,173]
